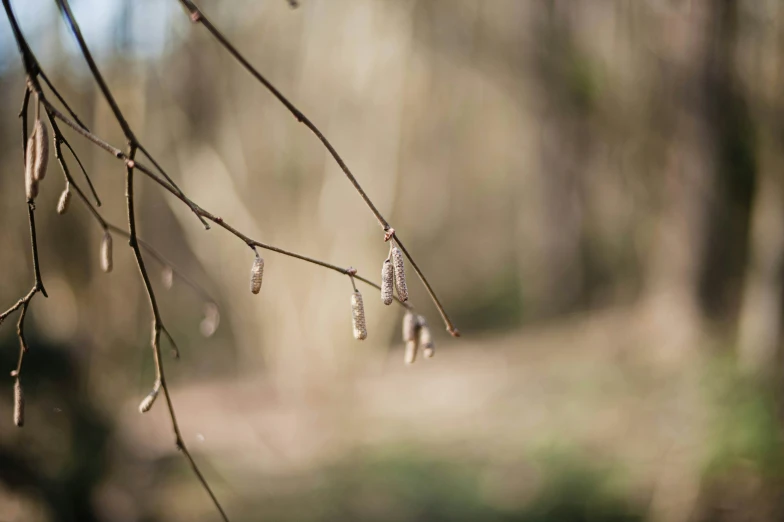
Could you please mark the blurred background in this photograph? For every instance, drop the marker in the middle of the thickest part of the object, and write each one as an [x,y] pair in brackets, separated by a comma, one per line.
[593,188]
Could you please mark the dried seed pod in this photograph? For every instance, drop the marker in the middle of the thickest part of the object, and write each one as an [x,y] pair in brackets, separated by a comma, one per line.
[400,274]
[409,327]
[411,351]
[211,320]
[256,273]
[65,200]
[425,337]
[358,316]
[41,137]
[106,252]
[167,277]
[387,282]
[148,401]
[18,403]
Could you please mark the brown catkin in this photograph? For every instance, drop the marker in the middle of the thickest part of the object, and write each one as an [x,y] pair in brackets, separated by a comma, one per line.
[31,185]
[358,316]
[425,337]
[148,401]
[18,404]
[65,200]
[400,274]
[41,137]
[106,252]
[256,274]
[387,282]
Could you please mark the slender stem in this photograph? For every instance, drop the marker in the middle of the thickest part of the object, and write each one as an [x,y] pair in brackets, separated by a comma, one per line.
[197,16]
[84,171]
[157,327]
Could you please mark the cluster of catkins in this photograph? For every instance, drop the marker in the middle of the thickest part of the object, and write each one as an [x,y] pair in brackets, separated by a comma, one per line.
[36,161]
[416,332]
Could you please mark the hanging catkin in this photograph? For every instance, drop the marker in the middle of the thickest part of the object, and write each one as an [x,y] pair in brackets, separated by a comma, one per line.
[411,352]
[65,200]
[400,274]
[31,185]
[148,401]
[409,327]
[425,337]
[18,403]
[410,337]
[387,282]
[106,252]
[256,274]
[41,158]
[358,316]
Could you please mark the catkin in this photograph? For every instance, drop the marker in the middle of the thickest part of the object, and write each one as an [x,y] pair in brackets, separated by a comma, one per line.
[65,200]
[106,252]
[148,401]
[41,161]
[409,327]
[358,316]
[400,274]
[425,337]
[18,404]
[411,352]
[387,282]
[256,273]
[31,185]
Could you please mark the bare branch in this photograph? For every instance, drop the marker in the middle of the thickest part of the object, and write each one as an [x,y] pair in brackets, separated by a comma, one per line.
[197,16]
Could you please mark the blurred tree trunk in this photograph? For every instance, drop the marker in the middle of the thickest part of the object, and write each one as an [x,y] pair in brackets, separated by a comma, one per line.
[710,171]
[760,318]
[759,333]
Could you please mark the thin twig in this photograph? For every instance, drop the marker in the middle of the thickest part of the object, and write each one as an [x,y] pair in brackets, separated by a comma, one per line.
[197,16]
[157,327]
[84,171]
[38,285]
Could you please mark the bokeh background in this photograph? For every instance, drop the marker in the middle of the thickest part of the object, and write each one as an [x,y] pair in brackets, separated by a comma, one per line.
[593,187]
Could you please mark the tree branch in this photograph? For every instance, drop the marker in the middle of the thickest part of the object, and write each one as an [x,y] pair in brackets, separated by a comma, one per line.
[197,16]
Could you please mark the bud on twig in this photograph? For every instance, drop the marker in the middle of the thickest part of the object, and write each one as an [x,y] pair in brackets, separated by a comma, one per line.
[400,274]
[256,273]
[106,252]
[65,200]
[41,137]
[148,401]
[18,403]
[358,316]
[425,337]
[387,282]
